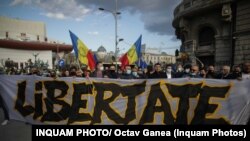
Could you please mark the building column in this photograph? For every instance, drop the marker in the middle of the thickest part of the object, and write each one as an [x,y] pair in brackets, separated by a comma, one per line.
[222,51]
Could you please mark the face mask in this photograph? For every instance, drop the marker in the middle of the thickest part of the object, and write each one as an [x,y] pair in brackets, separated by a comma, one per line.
[187,70]
[179,69]
[169,70]
[193,74]
[134,73]
[101,68]
[128,71]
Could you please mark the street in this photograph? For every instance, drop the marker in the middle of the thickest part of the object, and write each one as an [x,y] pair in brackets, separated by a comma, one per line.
[14,130]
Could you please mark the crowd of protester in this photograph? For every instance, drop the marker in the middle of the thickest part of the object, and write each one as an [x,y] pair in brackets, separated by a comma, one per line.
[158,71]
[151,72]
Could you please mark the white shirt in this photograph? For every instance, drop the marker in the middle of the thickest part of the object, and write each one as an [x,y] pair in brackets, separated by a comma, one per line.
[169,76]
[245,76]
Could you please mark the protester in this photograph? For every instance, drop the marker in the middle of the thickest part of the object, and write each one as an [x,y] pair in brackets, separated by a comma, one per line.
[135,74]
[179,71]
[127,74]
[237,74]
[72,71]
[157,72]
[225,73]
[112,73]
[187,71]
[169,72]
[203,73]
[246,71]
[211,72]
[99,72]
[142,73]
[65,73]
[195,72]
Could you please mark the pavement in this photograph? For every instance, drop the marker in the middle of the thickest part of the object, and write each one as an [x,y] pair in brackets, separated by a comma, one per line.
[14,130]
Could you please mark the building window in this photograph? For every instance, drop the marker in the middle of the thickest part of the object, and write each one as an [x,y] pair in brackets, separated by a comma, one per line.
[206,36]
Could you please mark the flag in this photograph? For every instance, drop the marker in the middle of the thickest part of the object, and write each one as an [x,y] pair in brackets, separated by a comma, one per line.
[83,54]
[133,54]
[141,63]
[95,58]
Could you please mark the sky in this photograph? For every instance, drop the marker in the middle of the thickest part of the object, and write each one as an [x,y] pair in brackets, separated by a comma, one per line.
[150,18]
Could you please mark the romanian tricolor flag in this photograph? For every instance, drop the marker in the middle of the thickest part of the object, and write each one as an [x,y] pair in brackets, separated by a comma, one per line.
[133,54]
[83,54]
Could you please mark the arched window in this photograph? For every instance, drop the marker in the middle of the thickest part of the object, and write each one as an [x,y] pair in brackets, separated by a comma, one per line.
[206,36]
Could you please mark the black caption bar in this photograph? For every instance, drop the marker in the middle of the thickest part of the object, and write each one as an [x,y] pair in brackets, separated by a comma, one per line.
[56,132]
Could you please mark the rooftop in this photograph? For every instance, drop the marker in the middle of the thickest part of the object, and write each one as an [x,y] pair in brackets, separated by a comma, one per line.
[34,45]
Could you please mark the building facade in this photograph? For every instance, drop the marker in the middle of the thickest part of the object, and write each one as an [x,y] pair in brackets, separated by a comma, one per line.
[22,40]
[217,32]
[21,51]
[154,55]
[22,29]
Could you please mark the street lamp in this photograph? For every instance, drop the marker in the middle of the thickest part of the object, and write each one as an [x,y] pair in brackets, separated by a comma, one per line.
[35,55]
[114,13]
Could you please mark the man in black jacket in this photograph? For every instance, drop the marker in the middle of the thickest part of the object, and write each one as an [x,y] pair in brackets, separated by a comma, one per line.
[157,72]
[226,73]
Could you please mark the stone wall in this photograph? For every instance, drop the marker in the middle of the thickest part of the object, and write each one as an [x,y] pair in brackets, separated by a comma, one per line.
[242,35]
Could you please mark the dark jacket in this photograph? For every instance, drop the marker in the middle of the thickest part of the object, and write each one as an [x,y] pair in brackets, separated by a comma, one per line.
[211,75]
[179,74]
[156,75]
[228,76]
[127,76]
[94,74]
[112,75]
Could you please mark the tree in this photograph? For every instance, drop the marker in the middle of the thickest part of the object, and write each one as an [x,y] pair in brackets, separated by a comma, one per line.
[176,52]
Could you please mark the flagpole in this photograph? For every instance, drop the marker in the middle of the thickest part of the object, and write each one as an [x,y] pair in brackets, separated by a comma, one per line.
[78,63]
[116,42]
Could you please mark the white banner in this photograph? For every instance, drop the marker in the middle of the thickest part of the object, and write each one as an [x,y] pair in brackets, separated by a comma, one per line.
[40,100]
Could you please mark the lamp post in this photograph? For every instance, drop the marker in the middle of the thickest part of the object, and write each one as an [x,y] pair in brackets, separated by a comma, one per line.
[114,13]
[35,55]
